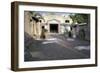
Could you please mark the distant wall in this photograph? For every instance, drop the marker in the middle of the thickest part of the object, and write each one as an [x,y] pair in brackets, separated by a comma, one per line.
[27,23]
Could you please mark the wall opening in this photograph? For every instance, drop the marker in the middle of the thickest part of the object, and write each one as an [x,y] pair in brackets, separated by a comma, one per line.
[54,28]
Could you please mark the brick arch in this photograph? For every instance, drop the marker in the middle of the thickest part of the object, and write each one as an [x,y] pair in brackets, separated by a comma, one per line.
[54,20]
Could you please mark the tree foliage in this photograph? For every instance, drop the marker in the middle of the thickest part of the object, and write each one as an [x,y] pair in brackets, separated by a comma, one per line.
[37,16]
[79,18]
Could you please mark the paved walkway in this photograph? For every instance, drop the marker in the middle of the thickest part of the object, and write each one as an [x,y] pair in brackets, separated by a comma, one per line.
[57,47]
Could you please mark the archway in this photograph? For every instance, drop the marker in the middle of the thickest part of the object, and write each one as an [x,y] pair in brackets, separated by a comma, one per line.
[53,26]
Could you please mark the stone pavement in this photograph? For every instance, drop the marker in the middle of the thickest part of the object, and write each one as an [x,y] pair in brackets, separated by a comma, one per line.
[57,47]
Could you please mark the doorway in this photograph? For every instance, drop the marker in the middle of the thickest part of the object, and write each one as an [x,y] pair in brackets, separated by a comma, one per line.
[54,28]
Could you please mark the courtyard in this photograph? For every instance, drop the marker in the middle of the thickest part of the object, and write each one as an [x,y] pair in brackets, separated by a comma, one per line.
[55,47]
[56,36]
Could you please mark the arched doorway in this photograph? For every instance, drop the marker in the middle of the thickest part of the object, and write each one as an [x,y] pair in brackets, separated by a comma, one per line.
[53,26]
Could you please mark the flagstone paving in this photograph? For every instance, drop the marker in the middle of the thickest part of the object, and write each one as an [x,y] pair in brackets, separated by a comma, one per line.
[56,47]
